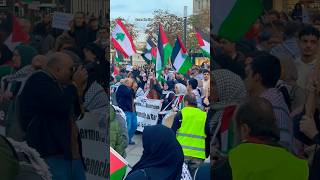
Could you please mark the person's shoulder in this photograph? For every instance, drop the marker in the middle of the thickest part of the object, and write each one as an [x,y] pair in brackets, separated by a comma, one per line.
[138,174]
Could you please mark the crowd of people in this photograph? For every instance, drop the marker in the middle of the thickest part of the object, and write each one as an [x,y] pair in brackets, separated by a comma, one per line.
[184,97]
[48,82]
[260,119]
[254,115]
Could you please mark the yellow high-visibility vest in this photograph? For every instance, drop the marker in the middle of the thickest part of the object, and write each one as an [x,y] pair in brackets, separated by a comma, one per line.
[191,135]
[250,161]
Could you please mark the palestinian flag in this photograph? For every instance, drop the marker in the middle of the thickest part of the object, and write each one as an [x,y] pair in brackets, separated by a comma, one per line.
[119,57]
[233,18]
[227,129]
[122,40]
[17,35]
[115,71]
[118,166]
[150,54]
[164,50]
[180,59]
[204,45]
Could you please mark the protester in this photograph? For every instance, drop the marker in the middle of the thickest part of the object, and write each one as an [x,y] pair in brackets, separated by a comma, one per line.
[228,91]
[49,106]
[259,156]
[192,87]
[309,45]
[191,129]
[125,96]
[263,73]
[162,157]
[79,30]
[180,90]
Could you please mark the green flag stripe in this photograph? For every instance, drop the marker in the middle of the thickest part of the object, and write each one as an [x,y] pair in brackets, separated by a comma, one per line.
[242,16]
[119,174]
[167,50]
[187,64]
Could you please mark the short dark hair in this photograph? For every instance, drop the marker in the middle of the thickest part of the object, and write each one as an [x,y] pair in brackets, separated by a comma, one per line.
[191,99]
[274,12]
[258,114]
[193,83]
[309,31]
[268,67]
[205,71]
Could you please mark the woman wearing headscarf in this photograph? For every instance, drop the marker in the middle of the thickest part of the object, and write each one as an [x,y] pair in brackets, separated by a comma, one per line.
[180,91]
[162,157]
[228,91]
[22,56]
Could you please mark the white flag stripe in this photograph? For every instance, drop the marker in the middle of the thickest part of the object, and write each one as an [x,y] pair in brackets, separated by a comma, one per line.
[11,45]
[158,61]
[178,62]
[125,44]
[206,46]
[221,10]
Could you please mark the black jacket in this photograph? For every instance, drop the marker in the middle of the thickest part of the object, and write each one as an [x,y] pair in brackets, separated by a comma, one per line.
[124,96]
[46,113]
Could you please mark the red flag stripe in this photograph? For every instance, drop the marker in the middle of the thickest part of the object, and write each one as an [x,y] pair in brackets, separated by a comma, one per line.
[164,39]
[119,48]
[18,35]
[200,40]
[183,49]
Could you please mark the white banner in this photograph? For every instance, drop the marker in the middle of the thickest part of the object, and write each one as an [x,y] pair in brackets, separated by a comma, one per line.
[94,147]
[147,112]
[62,20]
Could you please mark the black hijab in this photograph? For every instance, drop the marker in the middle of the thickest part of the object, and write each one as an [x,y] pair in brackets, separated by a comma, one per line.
[162,157]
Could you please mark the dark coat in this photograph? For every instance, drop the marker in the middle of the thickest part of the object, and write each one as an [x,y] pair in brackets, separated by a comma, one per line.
[46,111]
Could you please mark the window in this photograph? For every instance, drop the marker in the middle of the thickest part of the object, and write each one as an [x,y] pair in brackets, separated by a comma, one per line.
[3,3]
[199,3]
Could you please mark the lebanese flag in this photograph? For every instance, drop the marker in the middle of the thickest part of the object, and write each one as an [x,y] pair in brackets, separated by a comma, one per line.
[17,35]
[122,40]
[164,51]
[118,165]
[204,45]
[180,59]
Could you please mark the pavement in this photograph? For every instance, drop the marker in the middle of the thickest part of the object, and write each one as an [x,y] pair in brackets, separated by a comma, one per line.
[134,152]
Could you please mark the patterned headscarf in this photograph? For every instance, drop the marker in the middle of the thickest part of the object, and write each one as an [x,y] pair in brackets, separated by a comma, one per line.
[230,90]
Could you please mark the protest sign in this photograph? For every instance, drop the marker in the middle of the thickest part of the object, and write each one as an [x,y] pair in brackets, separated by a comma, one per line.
[94,147]
[62,20]
[147,112]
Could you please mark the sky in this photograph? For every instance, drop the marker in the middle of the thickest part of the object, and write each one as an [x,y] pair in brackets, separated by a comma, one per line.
[132,9]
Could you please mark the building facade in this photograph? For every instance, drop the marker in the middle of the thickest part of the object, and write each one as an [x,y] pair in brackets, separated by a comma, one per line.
[200,6]
[90,7]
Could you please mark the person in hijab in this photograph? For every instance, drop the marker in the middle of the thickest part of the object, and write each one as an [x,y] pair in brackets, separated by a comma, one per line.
[228,91]
[18,69]
[162,157]
[22,56]
[180,91]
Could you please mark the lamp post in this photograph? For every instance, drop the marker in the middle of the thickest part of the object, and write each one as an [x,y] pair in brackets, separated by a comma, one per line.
[185,25]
